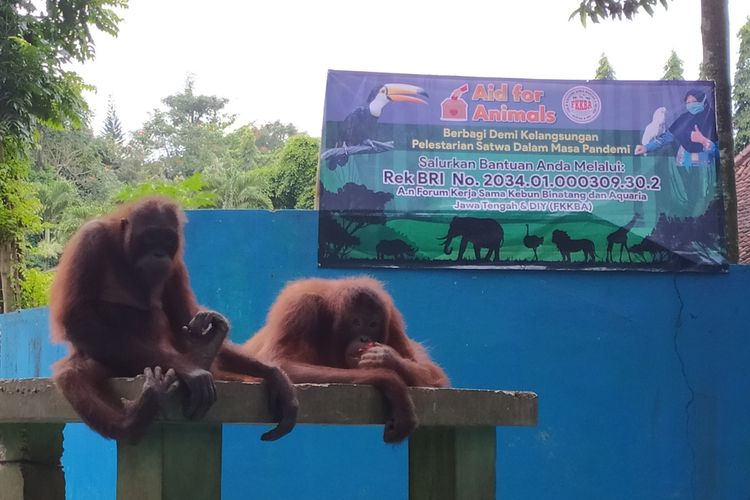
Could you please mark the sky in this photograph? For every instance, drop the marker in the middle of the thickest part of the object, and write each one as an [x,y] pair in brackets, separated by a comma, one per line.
[270,58]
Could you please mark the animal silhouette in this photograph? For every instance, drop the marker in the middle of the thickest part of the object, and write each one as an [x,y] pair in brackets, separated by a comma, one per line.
[566,246]
[532,241]
[481,233]
[398,249]
[657,251]
[620,237]
[639,251]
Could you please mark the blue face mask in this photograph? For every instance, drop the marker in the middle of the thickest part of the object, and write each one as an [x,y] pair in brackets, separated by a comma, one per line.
[694,107]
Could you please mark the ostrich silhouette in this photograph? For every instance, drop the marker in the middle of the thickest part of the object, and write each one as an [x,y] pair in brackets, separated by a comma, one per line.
[532,241]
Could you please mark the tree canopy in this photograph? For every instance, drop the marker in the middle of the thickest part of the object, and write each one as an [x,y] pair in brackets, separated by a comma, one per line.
[741,91]
[37,90]
[34,48]
[604,71]
[292,182]
[673,68]
[184,151]
[615,9]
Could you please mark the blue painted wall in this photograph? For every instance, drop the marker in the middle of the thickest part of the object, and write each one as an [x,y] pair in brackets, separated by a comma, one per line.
[642,378]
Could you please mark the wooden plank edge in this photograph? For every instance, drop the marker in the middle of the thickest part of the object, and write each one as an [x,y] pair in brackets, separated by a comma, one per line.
[38,400]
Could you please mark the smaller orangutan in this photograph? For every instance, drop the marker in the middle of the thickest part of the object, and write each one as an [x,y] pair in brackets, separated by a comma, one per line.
[347,331]
[122,301]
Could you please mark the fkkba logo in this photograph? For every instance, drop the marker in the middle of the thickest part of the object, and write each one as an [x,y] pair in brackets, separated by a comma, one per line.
[581,104]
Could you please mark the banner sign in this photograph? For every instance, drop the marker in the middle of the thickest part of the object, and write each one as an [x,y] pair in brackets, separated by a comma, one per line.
[425,171]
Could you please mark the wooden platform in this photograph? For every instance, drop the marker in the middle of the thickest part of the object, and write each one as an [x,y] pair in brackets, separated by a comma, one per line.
[451,454]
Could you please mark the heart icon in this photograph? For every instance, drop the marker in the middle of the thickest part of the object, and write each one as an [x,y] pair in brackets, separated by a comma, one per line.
[453,112]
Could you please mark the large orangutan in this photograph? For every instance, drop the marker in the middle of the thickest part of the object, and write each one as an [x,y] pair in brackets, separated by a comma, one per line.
[347,331]
[122,301]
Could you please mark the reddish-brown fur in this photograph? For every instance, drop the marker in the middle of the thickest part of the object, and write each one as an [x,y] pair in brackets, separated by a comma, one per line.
[307,334]
[119,326]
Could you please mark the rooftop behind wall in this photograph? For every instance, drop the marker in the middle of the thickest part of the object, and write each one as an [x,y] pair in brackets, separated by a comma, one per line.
[642,377]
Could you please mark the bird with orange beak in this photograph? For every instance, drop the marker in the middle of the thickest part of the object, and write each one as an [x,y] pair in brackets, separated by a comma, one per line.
[360,125]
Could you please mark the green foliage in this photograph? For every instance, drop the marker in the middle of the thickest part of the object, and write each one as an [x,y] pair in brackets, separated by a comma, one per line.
[72,184]
[33,51]
[55,197]
[306,199]
[78,176]
[35,288]
[673,68]
[132,166]
[111,155]
[189,193]
[78,157]
[188,108]
[605,70]
[70,22]
[43,254]
[741,91]
[37,90]
[241,148]
[62,211]
[235,188]
[183,153]
[76,215]
[271,136]
[292,179]
[615,9]
[188,137]
[18,206]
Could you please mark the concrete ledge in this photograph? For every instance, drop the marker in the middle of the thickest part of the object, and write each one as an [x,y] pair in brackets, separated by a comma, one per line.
[39,401]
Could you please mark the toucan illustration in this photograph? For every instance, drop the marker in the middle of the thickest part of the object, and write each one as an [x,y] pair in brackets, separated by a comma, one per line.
[358,128]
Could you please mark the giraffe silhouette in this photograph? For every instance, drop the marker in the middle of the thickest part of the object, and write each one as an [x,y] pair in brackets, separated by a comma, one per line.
[620,237]
[532,241]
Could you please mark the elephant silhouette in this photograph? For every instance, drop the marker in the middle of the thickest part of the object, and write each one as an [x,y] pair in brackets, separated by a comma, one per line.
[481,233]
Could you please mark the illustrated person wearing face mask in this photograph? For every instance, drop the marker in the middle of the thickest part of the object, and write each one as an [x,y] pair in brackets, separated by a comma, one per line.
[689,183]
[694,131]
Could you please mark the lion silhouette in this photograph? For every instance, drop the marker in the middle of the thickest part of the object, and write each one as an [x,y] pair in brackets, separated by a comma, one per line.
[566,245]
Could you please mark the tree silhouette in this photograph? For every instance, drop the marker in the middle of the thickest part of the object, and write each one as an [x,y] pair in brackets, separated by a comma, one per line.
[357,205]
[112,128]
[345,212]
[334,242]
